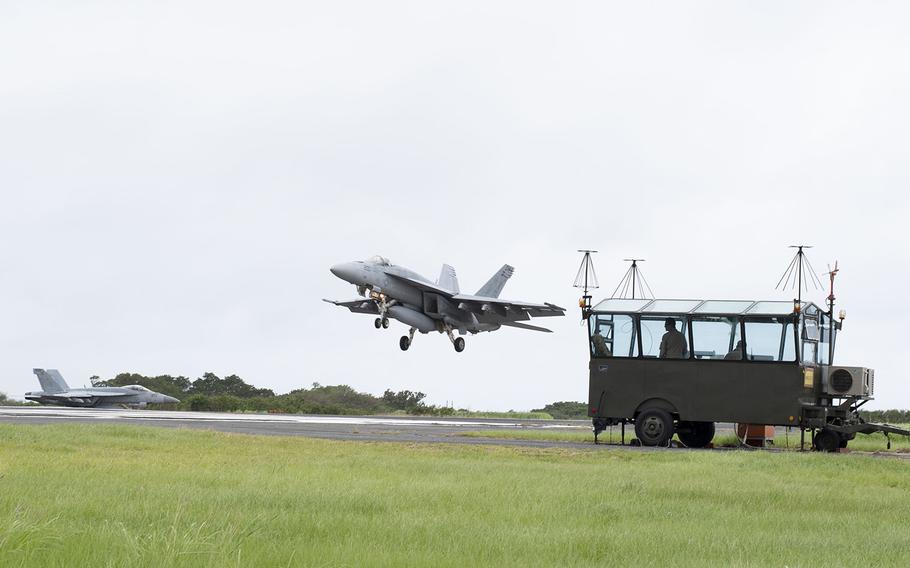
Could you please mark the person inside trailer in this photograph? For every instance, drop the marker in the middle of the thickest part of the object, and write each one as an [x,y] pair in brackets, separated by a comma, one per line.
[736,354]
[673,344]
[600,346]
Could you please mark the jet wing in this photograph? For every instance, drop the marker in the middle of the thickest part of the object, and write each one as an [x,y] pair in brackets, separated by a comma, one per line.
[518,310]
[361,306]
[88,394]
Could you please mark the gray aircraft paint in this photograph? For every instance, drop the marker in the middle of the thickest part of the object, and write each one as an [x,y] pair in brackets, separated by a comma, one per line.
[57,392]
[399,293]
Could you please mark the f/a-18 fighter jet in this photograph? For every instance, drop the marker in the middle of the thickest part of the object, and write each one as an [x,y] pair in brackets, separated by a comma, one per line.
[57,392]
[391,291]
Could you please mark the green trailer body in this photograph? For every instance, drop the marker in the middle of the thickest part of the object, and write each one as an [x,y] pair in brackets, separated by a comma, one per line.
[747,362]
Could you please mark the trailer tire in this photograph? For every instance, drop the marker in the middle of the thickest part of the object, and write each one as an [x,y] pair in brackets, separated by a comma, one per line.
[827,440]
[654,427]
[696,434]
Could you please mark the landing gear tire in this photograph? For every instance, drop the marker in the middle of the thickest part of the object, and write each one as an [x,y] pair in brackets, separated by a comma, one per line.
[378,323]
[654,427]
[827,440]
[385,323]
[404,342]
[695,434]
[459,344]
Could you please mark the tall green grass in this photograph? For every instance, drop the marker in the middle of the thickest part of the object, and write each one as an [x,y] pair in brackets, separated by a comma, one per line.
[877,442]
[73,495]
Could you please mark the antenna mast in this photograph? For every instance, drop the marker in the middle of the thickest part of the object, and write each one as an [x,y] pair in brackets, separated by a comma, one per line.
[586,278]
[831,325]
[633,279]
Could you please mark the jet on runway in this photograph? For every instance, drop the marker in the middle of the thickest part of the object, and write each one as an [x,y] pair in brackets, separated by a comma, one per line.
[395,292]
[58,393]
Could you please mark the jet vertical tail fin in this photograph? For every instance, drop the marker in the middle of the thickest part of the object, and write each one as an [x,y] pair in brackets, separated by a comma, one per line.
[51,380]
[448,279]
[494,285]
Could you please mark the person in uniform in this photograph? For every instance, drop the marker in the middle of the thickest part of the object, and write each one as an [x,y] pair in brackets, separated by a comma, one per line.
[600,346]
[736,354]
[673,344]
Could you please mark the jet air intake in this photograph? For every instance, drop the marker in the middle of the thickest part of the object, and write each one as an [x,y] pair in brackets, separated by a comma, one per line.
[413,318]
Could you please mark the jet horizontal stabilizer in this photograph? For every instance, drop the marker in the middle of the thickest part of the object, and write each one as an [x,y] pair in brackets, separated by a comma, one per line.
[359,306]
[525,326]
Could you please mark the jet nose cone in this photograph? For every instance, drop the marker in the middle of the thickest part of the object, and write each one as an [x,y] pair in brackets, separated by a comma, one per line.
[169,399]
[347,271]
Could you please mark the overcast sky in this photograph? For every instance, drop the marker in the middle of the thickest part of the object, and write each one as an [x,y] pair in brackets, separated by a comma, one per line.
[177,177]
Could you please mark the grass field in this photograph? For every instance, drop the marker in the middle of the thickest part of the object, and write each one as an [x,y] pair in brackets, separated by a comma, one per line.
[102,495]
[863,442]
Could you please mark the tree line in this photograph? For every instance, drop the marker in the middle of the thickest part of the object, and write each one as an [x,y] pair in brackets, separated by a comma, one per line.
[232,394]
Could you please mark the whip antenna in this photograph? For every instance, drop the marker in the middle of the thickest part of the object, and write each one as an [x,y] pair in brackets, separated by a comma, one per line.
[586,278]
[633,280]
[795,276]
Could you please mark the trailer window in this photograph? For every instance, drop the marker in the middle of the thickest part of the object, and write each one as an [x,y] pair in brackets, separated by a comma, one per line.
[824,342]
[770,340]
[652,333]
[716,338]
[613,335]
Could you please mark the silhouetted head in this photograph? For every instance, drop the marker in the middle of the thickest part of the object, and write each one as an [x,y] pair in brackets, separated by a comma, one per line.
[670,323]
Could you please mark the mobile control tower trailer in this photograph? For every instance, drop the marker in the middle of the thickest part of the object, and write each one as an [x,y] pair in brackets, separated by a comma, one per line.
[679,366]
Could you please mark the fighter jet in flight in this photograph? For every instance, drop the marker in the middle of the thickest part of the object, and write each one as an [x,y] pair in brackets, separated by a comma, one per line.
[57,392]
[395,292]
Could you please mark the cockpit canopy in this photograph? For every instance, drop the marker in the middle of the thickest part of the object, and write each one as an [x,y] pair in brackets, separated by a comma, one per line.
[380,260]
[138,388]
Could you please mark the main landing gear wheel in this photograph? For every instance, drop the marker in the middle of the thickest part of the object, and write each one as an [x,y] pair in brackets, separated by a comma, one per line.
[695,434]
[459,344]
[404,342]
[654,427]
[827,440]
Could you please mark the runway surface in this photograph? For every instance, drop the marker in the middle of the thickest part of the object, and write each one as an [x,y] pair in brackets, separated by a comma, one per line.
[407,429]
[363,428]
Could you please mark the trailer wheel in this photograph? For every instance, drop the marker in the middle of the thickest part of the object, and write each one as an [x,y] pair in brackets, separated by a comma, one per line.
[654,427]
[827,440]
[696,434]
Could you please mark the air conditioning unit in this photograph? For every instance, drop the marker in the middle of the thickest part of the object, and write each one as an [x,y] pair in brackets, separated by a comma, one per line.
[848,381]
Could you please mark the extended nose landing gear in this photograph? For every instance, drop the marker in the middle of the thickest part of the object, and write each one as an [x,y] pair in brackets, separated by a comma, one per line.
[382,305]
[405,341]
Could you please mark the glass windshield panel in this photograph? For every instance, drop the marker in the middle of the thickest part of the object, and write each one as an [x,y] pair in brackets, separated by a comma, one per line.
[810,329]
[723,307]
[716,338]
[824,344]
[381,260]
[771,308]
[662,339]
[672,306]
[770,340]
[621,305]
[613,335]
[809,352]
